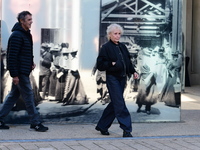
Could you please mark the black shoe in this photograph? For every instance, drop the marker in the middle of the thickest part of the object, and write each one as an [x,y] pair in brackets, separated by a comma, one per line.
[39,128]
[127,134]
[3,126]
[65,104]
[148,112]
[102,132]
[138,110]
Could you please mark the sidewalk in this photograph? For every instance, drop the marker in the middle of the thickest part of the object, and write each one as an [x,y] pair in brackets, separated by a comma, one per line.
[146,136]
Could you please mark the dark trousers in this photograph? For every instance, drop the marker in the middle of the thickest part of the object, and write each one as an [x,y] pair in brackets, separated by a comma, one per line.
[24,88]
[117,107]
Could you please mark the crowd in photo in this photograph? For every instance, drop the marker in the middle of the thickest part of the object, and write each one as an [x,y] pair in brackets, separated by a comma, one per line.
[59,76]
[159,80]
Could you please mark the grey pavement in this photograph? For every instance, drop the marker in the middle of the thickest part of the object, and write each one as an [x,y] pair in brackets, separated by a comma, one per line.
[146,136]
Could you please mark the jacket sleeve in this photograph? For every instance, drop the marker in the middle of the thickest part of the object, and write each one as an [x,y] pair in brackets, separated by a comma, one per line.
[13,51]
[103,63]
[131,66]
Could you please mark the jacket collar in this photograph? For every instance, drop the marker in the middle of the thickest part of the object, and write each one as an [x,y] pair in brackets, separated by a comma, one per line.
[18,27]
[114,43]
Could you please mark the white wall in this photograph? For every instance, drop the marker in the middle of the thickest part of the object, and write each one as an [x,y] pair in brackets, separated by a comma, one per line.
[78,20]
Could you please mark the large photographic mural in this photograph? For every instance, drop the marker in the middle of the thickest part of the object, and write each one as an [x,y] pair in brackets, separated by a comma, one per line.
[67,35]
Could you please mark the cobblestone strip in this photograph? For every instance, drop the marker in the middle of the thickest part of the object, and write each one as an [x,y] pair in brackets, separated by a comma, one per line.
[108,144]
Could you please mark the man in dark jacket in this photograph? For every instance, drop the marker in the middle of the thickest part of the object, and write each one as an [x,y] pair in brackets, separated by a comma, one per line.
[20,64]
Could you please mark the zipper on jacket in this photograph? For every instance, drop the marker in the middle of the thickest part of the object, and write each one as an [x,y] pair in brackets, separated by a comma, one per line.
[120,53]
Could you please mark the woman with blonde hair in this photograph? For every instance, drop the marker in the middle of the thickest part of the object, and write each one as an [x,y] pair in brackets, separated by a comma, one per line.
[114,58]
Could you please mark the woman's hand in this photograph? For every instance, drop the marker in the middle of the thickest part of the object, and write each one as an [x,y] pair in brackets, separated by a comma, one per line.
[113,63]
[136,75]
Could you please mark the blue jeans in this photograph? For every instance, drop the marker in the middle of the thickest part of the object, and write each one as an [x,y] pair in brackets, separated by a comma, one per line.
[24,88]
[117,107]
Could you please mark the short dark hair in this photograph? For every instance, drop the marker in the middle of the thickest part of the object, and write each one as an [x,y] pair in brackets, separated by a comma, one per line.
[22,15]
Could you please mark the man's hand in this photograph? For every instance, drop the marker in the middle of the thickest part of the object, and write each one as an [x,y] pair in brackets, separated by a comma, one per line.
[15,80]
[33,66]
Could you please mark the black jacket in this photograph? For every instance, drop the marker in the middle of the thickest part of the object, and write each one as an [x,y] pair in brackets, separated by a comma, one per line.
[20,52]
[111,52]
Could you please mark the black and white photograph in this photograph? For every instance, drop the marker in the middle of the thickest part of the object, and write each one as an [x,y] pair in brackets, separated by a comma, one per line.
[150,34]
[67,37]
[59,77]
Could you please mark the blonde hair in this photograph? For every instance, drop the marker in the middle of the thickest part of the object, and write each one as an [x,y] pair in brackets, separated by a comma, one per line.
[112,27]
